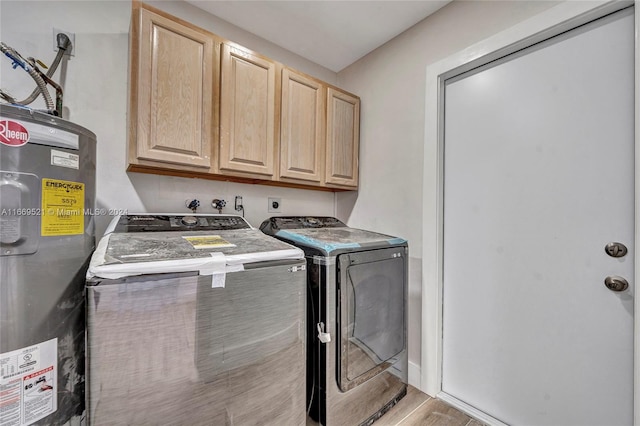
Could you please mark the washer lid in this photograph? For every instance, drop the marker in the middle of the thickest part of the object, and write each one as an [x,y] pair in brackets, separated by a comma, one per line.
[139,253]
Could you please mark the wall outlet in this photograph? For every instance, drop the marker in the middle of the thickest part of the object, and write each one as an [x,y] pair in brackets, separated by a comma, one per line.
[275,205]
[72,37]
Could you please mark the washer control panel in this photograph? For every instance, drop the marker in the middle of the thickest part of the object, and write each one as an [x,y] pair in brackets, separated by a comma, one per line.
[160,223]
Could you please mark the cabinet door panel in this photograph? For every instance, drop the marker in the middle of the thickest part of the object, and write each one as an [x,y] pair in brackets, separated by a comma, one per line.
[302,128]
[247,112]
[175,87]
[343,126]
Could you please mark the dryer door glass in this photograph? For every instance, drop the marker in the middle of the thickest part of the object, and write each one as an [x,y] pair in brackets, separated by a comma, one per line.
[371,313]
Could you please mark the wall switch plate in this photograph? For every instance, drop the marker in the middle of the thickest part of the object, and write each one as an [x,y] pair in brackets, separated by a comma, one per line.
[274,205]
[72,38]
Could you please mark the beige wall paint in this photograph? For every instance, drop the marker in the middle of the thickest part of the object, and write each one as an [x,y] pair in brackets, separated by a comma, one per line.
[96,95]
[391,84]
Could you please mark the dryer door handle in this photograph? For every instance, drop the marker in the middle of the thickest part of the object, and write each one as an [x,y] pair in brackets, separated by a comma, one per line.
[322,336]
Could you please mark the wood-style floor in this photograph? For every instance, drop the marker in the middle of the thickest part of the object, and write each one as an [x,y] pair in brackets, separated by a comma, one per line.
[419,409]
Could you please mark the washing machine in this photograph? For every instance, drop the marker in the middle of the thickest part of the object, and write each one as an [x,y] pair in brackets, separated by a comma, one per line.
[357,364]
[195,319]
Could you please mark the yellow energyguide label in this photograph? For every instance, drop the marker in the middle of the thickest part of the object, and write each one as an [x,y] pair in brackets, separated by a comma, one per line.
[62,208]
[208,241]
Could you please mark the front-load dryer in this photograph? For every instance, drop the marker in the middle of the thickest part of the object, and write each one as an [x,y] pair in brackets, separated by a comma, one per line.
[195,320]
[356,316]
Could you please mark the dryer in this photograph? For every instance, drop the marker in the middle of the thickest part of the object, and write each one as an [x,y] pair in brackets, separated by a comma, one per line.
[357,363]
[196,319]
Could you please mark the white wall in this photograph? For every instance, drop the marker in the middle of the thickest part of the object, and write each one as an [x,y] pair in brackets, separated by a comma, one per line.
[95,81]
[228,31]
[391,84]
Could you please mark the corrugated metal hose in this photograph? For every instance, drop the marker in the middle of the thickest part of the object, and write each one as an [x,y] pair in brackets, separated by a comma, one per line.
[38,76]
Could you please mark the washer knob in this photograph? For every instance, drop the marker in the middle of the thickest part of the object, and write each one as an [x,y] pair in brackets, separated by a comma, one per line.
[189,220]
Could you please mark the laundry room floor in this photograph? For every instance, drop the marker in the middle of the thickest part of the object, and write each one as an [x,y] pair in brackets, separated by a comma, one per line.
[419,409]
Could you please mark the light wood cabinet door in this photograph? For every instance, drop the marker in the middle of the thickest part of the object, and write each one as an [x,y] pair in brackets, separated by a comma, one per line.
[302,125]
[343,135]
[173,93]
[247,113]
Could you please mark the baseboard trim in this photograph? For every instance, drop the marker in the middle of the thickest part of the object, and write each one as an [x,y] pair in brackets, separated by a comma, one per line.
[415,375]
[470,410]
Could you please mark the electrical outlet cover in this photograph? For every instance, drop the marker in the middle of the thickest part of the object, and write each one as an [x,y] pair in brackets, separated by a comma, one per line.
[274,205]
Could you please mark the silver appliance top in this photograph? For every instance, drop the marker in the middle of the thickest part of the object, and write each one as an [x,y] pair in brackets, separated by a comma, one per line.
[327,234]
[159,246]
[168,243]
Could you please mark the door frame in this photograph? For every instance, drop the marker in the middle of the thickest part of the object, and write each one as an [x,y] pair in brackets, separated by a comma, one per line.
[554,21]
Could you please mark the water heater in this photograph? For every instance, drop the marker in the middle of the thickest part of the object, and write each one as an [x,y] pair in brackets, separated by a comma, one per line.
[47,197]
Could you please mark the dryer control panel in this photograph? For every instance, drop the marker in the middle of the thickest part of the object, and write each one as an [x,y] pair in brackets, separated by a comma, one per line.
[161,223]
[297,222]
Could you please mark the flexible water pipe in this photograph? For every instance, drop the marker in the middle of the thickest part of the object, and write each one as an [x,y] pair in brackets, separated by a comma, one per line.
[64,44]
[55,85]
[18,60]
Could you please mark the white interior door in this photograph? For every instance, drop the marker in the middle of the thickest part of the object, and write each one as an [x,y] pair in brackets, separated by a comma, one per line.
[538,179]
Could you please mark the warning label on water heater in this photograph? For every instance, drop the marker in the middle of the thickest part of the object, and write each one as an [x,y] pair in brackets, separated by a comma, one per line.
[28,384]
[62,208]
